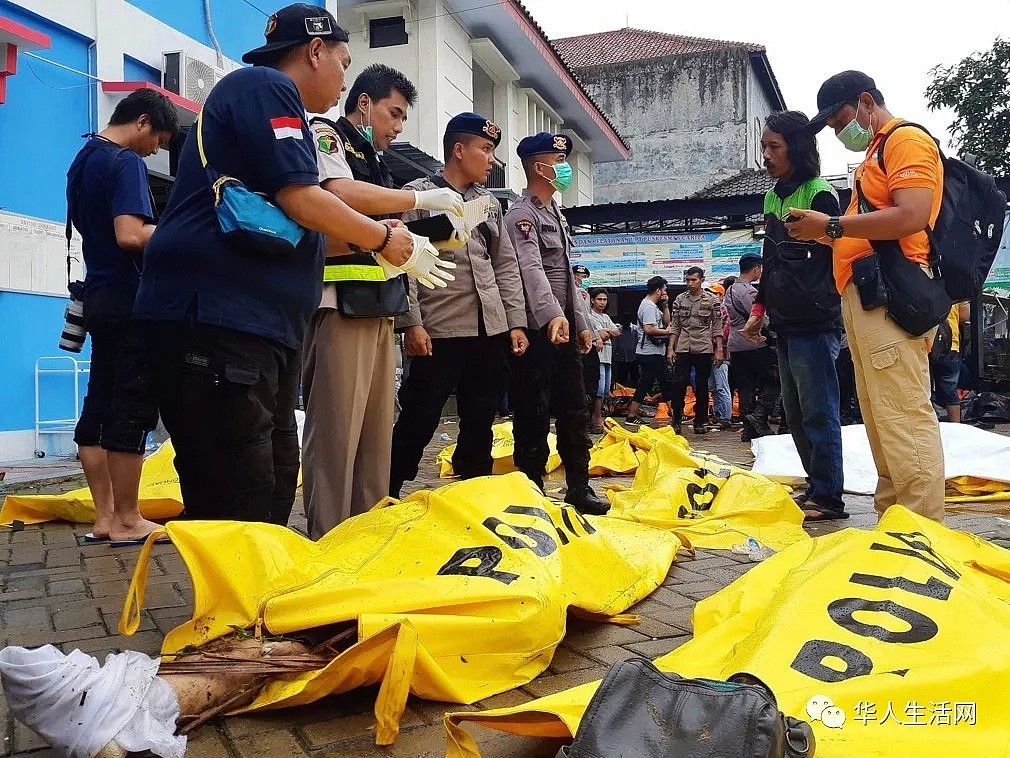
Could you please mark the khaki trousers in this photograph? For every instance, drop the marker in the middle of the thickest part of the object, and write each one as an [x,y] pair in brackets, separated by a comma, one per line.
[892,381]
[347,385]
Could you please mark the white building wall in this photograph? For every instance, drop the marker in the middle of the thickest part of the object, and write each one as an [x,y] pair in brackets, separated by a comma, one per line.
[758,108]
[455,64]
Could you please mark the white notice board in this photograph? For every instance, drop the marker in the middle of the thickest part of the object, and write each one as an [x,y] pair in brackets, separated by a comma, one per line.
[33,255]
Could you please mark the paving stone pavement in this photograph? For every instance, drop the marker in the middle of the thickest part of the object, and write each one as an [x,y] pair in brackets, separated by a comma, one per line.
[55,589]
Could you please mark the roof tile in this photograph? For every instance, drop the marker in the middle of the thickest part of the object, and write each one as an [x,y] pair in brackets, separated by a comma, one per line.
[626,45]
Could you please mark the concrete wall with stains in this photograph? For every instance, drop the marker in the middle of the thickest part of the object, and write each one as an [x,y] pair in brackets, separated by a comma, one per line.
[690,121]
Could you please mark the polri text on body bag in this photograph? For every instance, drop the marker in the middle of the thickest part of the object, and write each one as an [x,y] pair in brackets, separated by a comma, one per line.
[247,219]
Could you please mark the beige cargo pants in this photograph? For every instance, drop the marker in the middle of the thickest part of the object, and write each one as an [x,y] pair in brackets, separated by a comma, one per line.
[892,382]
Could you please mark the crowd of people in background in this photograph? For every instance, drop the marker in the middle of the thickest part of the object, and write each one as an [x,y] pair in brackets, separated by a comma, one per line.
[217,335]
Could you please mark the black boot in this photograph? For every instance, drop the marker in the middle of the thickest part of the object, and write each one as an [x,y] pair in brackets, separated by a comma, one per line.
[582,498]
[756,425]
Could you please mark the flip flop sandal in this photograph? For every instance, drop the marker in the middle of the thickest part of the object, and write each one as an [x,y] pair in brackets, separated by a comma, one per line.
[138,542]
[812,514]
[91,539]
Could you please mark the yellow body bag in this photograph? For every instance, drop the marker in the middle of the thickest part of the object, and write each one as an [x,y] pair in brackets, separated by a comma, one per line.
[160,497]
[458,593]
[891,642]
[502,450]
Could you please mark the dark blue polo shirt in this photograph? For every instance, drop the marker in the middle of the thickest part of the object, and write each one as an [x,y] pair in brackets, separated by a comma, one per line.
[254,129]
[105,181]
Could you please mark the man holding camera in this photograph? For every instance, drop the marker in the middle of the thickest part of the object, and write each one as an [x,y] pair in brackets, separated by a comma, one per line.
[109,202]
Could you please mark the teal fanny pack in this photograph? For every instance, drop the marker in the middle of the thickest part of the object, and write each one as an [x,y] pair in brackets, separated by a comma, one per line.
[247,218]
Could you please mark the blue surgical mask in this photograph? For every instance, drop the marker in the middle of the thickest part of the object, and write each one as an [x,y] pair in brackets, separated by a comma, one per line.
[562,175]
[855,136]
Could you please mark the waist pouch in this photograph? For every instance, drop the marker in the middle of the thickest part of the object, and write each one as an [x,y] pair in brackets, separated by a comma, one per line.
[915,301]
[641,711]
[869,282]
[250,221]
[246,218]
[372,299]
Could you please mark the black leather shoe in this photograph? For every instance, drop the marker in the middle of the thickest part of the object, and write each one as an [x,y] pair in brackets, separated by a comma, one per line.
[585,501]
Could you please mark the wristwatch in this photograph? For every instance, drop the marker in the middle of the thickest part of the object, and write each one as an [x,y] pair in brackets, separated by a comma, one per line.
[834,228]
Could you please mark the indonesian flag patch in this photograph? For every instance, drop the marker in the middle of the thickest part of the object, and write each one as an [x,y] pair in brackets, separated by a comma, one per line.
[286,126]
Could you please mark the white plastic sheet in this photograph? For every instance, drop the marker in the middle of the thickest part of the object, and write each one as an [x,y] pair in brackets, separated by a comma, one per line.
[78,706]
[967,451]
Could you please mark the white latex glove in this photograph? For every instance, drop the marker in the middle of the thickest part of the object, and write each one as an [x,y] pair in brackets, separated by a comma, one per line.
[438,199]
[425,265]
[457,241]
[388,268]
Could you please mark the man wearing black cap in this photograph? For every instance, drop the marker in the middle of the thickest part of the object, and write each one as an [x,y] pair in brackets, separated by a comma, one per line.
[899,188]
[227,319]
[548,379]
[754,366]
[458,337]
[346,445]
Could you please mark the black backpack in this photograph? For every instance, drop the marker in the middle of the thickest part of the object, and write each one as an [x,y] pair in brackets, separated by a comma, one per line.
[966,236]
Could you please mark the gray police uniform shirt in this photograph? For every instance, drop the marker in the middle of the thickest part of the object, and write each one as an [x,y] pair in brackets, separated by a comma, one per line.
[487,284]
[696,323]
[650,314]
[543,243]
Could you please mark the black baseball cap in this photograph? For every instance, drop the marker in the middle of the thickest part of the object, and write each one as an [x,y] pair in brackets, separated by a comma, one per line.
[578,268]
[295,25]
[836,92]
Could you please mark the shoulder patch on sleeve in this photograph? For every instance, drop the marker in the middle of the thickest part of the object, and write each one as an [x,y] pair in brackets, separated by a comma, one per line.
[327,141]
[525,226]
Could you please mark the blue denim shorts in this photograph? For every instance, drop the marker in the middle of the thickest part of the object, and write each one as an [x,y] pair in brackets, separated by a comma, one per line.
[945,371]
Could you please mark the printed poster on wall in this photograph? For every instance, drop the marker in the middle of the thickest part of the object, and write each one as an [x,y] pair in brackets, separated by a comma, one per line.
[999,274]
[629,260]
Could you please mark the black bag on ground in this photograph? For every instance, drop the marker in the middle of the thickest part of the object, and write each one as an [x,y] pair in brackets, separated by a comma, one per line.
[641,712]
[969,227]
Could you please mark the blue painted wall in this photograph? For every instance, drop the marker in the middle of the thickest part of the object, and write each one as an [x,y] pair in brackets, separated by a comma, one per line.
[31,328]
[138,71]
[42,121]
[238,24]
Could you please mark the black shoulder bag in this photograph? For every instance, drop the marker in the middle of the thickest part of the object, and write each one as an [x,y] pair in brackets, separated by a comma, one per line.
[915,301]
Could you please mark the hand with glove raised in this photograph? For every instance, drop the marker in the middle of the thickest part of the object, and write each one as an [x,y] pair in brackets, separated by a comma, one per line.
[423,265]
[438,199]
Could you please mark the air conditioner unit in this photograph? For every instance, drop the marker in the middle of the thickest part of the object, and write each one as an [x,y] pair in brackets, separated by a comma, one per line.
[189,77]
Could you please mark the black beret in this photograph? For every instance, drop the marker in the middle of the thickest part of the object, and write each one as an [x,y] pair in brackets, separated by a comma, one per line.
[539,144]
[473,123]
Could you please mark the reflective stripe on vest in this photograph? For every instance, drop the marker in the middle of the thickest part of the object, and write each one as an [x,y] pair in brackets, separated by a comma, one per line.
[350,272]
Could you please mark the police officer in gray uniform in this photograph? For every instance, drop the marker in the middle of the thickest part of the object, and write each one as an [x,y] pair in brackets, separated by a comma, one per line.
[458,336]
[547,380]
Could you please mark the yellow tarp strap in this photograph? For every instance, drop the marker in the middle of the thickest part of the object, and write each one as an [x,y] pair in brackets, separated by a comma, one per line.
[353,272]
[392,698]
[129,621]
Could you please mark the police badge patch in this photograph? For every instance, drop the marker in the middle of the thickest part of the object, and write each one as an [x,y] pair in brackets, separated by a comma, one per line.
[328,143]
[525,226]
[560,142]
[318,27]
[492,130]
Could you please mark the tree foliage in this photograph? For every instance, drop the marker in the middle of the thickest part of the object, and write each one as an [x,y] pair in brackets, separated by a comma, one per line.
[978,89]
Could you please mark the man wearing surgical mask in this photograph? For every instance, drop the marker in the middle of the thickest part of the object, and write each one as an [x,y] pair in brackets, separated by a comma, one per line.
[548,379]
[901,198]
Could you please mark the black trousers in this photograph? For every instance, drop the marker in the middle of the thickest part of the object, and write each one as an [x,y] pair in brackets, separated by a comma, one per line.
[702,365]
[755,375]
[476,368]
[548,381]
[228,400]
[651,369]
[120,407]
[591,373]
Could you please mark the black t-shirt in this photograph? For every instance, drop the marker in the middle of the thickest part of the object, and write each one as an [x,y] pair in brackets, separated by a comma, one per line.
[254,129]
[105,181]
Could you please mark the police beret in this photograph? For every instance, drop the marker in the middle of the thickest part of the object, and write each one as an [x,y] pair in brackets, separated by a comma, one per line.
[473,123]
[538,144]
